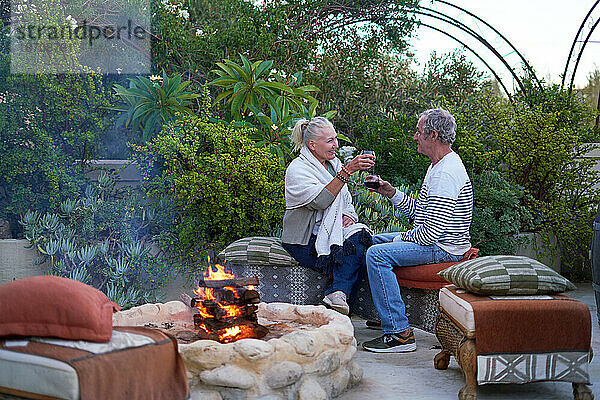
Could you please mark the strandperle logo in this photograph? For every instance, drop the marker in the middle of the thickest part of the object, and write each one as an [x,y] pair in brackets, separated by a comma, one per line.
[70,36]
[83,32]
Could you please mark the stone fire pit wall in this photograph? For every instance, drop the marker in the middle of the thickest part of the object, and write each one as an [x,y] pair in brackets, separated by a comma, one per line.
[310,363]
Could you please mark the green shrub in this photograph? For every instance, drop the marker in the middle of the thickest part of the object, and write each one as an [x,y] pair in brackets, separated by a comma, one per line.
[542,150]
[222,187]
[47,123]
[498,214]
[101,239]
[34,172]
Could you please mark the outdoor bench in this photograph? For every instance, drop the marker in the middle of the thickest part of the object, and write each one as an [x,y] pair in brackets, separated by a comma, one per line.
[281,279]
[515,339]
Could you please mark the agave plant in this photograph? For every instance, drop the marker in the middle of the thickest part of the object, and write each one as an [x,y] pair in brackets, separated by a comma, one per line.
[152,101]
[85,243]
[375,210]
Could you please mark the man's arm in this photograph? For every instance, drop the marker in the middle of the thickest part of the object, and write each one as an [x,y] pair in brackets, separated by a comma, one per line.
[405,203]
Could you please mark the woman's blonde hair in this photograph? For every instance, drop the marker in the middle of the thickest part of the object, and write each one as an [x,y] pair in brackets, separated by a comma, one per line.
[306,130]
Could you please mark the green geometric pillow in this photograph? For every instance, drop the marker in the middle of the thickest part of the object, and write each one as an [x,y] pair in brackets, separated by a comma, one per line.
[257,250]
[506,275]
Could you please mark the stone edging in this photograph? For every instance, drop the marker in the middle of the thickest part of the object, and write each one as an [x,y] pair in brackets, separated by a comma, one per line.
[311,364]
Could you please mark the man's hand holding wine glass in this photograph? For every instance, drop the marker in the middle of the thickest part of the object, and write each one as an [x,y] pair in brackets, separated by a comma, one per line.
[383,187]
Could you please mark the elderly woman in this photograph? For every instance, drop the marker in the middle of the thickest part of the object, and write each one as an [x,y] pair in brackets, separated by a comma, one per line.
[320,226]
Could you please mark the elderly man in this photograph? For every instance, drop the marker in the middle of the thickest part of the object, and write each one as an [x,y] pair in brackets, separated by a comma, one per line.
[442,216]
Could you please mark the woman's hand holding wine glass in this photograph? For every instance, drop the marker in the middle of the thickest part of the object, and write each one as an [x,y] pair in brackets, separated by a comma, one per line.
[361,162]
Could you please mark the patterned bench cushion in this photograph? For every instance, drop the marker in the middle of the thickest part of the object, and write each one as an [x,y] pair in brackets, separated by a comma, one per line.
[506,275]
[257,250]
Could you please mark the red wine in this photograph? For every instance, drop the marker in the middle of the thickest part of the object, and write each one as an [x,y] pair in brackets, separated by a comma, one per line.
[372,184]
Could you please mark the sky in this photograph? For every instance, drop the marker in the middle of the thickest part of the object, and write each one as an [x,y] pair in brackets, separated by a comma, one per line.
[541,30]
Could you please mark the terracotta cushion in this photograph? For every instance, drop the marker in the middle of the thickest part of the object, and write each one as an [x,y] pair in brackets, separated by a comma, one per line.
[426,276]
[422,276]
[51,306]
[525,324]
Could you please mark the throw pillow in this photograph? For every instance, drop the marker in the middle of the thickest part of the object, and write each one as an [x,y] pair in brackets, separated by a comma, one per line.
[506,275]
[257,250]
[55,307]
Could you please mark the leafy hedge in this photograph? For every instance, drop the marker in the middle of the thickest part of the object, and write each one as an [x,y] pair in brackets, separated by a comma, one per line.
[221,186]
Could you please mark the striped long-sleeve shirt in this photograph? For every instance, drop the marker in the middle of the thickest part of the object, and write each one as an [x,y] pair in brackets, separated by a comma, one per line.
[443,210]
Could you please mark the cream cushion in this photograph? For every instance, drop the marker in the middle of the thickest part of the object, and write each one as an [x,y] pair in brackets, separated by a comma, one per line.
[459,309]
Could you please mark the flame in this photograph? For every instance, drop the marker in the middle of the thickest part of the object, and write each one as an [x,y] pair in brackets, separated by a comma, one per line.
[229,334]
[203,327]
[205,293]
[235,333]
[218,275]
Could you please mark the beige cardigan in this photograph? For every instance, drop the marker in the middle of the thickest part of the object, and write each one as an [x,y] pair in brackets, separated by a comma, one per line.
[298,223]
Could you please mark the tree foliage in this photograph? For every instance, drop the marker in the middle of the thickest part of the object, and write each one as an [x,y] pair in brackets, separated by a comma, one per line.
[191,36]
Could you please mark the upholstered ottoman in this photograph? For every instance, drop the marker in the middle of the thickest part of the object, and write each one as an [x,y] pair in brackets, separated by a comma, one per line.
[137,363]
[514,339]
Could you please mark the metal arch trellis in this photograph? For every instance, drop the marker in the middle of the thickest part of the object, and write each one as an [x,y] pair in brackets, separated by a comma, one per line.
[476,55]
[587,21]
[454,22]
[501,36]
[440,16]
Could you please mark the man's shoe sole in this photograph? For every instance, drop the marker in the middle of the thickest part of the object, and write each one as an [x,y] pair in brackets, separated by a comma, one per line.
[404,348]
[340,309]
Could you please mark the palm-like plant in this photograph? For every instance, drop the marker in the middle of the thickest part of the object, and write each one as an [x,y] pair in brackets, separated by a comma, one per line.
[270,103]
[248,85]
[153,100]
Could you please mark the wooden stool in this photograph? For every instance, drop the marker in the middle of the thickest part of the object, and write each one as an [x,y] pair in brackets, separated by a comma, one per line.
[525,330]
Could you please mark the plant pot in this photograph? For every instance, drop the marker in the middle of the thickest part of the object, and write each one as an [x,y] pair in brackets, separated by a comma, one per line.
[596,261]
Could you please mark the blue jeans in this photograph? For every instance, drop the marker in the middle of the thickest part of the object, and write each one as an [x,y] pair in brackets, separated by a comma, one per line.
[381,258]
[345,276]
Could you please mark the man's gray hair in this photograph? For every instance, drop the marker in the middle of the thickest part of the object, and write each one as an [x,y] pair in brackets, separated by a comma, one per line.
[441,121]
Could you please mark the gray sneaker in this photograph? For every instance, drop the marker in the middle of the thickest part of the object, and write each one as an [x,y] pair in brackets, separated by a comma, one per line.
[337,301]
[392,343]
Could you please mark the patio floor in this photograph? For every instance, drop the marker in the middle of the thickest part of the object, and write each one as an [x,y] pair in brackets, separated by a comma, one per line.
[412,376]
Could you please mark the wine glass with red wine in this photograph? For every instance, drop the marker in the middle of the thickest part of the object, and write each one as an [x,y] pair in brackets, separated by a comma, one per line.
[371,180]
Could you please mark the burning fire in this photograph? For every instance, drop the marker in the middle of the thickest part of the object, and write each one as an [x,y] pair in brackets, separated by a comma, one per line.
[217,272]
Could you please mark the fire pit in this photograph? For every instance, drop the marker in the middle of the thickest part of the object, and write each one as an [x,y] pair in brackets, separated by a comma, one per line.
[305,352]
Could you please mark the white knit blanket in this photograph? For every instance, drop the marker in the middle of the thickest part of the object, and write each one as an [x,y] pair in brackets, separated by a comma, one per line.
[304,180]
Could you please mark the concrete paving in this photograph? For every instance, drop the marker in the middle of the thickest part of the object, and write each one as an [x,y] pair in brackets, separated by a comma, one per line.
[412,375]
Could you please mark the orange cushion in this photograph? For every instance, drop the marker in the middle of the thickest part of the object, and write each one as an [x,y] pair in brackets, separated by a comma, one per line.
[422,276]
[55,307]
[426,276]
